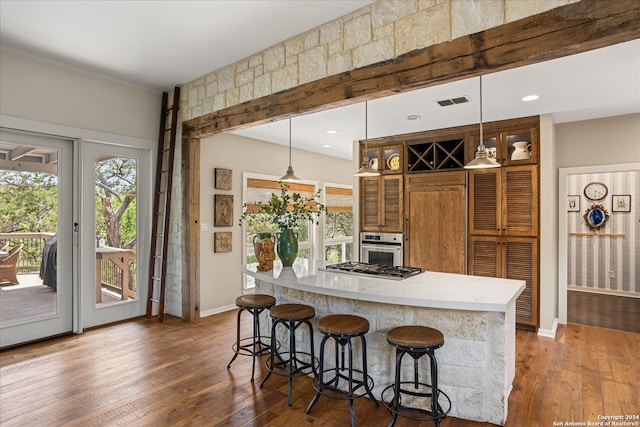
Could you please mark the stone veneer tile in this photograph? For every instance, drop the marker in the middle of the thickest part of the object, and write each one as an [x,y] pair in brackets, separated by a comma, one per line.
[193,97]
[242,65]
[255,60]
[424,4]
[472,16]
[311,39]
[336,47]
[386,12]
[518,9]
[373,52]
[244,77]
[339,63]
[212,89]
[284,78]
[312,64]
[246,92]
[273,58]
[232,96]
[262,85]
[294,46]
[357,31]
[218,102]
[331,31]
[425,28]
[226,78]
[382,32]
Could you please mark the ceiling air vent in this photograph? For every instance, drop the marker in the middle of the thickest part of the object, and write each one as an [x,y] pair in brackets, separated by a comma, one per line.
[453,101]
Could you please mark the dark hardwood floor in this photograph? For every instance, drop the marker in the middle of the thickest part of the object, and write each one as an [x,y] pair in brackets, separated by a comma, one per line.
[144,373]
[607,311]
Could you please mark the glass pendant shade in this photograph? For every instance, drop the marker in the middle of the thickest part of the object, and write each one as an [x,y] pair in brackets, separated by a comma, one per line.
[366,169]
[482,159]
[289,176]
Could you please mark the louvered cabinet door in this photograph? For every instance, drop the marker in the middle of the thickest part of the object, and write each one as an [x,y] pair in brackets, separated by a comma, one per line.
[391,203]
[520,200]
[484,202]
[485,256]
[370,204]
[520,261]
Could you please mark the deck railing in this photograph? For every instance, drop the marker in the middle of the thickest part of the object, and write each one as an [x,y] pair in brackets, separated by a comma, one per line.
[111,275]
[31,254]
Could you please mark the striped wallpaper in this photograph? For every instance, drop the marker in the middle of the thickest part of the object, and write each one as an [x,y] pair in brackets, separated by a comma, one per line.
[593,260]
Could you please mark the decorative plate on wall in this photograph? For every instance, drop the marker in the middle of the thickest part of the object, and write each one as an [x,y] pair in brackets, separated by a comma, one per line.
[595,217]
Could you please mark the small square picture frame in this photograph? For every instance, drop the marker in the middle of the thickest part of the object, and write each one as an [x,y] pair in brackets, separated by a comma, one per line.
[573,203]
[223,179]
[222,242]
[621,203]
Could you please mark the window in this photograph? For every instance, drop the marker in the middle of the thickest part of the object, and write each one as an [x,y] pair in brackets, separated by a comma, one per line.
[258,188]
[338,223]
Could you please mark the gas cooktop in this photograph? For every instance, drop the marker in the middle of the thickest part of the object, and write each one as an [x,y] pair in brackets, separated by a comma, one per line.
[382,271]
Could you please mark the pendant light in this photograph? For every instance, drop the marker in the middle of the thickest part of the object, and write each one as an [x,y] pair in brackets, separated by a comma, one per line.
[289,176]
[366,169]
[482,159]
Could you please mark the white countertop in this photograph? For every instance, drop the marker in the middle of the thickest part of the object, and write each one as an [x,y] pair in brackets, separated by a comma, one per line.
[427,289]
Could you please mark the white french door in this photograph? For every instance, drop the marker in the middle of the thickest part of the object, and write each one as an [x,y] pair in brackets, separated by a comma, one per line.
[115,241]
[37,174]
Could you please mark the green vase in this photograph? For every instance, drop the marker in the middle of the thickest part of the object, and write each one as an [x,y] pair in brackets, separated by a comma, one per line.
[287,247]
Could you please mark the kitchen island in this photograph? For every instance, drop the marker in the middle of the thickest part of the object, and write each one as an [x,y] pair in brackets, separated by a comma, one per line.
[475,314]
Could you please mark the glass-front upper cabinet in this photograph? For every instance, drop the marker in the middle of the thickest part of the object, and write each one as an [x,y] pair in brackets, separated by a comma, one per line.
[516,143]
[388,159]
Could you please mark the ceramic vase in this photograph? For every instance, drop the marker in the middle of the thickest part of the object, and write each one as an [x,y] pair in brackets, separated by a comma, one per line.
[287,247]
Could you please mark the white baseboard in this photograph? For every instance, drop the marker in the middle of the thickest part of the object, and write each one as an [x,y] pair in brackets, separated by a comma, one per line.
[549,333]
[217,310]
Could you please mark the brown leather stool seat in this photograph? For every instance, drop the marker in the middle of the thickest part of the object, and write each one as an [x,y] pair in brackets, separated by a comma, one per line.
[252,346]
[342,328]
[416,341]
[291,363]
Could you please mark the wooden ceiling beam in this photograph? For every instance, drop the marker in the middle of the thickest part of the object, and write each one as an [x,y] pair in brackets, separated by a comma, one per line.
[566,30]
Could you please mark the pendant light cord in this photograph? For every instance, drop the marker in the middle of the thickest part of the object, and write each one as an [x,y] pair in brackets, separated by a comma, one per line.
[289,141]
[481,133]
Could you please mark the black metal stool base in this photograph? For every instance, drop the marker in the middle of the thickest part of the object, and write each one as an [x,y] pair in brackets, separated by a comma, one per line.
[413,413]
[335,392]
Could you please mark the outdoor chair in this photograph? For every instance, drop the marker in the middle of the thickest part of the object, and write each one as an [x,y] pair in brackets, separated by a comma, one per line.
[3,246]
[8,266]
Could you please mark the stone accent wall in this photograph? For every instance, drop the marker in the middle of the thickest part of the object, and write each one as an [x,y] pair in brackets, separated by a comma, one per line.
[473,364]
[383,30]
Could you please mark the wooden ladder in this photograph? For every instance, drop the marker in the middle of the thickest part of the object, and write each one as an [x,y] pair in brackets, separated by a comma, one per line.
[162,203]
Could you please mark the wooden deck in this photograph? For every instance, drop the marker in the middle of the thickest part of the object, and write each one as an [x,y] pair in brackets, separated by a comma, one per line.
[30,300]
[146,373]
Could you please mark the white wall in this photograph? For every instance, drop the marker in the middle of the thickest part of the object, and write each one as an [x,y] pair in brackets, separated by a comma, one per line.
[63,96]
[220,277]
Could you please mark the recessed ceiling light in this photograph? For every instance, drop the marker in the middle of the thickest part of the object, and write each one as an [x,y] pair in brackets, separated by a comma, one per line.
[413,117]
[326,146]
[332,131]
[530,98]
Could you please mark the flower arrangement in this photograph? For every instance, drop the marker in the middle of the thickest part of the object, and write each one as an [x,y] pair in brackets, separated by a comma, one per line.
[286,209]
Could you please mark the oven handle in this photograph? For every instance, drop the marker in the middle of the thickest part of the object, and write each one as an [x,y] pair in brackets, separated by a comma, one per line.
[387,246]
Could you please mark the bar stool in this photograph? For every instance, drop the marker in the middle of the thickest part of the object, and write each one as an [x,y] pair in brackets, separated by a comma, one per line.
[415,341]
[291,316]
[342,328]
[252,346]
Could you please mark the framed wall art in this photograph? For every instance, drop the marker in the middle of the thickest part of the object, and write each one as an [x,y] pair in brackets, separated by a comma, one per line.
[222,241]
[223,179]
[621,203]
[573,203]
[222,210]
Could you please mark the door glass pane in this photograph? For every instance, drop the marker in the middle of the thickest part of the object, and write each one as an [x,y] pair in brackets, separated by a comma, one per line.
[116,236]
[28,233]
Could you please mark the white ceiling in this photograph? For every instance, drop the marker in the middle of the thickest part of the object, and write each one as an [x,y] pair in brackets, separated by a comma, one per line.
[159,44]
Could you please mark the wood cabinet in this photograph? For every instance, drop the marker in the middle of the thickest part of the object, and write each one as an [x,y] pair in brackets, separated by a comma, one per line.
[381,199]
[510,142]
[504,201]
[435,221]
[513,258]
[435,153]
[388,159]
[503,230]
